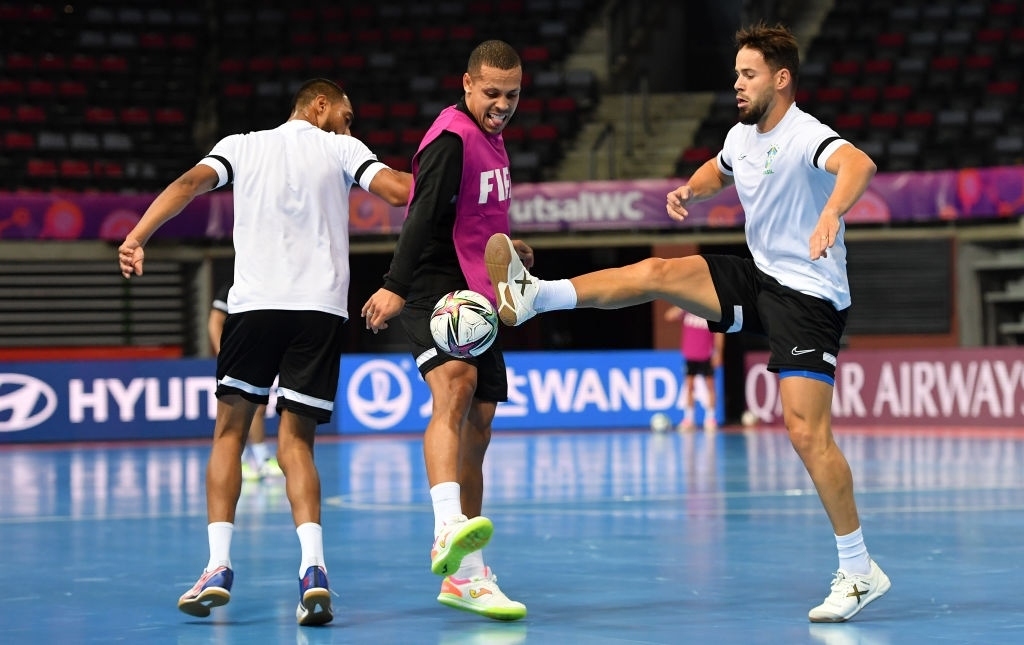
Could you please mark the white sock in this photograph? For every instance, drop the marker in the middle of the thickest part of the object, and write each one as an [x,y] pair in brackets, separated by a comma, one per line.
[260,452]
[853,553]
[447,499]
[311,539]
[553,295]
[472,566]
[219,534]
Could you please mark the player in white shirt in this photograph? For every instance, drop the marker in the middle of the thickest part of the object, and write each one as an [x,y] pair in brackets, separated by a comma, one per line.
[286,309]
[795,178]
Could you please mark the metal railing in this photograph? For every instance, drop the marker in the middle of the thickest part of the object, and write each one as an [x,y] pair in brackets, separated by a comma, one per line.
[606,135]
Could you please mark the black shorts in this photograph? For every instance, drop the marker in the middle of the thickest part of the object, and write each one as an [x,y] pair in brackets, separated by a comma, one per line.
[491,379]
[699,368]
[300,348]
[804,332]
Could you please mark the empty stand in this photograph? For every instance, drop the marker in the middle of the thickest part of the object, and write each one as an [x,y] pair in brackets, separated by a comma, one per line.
[919,84]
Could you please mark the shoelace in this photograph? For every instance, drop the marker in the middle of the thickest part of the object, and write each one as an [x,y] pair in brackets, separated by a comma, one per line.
[837,579]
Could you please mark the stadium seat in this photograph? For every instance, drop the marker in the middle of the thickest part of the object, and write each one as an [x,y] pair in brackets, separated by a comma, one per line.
[135,116]
[380,139]
[411,137]
[884,120]
[370,115]
[862,99]
[83,141]
[19,141]
[29,115]
[403,111]
[563,113]
[530,111]
[943,73]
[168,116]
[320,65]
[876,71]
[41,168]
[543,138]
[76,169]
[825,95]
[100,115]
[849,125]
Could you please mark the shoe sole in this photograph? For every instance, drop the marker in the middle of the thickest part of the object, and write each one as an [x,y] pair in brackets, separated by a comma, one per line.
[497,257]
[200,605]
[495,613]
[870,598]
[315,608]
[471,536]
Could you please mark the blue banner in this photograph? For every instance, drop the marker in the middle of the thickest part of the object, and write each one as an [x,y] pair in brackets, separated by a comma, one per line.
[108,400]
[377,393]
[547,390]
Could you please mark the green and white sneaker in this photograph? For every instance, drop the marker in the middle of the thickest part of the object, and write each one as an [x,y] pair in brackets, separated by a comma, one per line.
[458,538]
[270,468]
[250,474]
[480,596]
[850,593]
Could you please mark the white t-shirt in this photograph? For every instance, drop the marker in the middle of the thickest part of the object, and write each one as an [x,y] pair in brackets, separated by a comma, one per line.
[291,196]
[782,184]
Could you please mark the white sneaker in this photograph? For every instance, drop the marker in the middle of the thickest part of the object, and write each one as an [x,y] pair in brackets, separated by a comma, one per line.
[850,593]
[515,288]
[458,538]
[249,473]
[480,596]
[710,423]
[270,468]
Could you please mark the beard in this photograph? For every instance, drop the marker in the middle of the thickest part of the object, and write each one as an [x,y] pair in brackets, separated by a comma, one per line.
[752,113]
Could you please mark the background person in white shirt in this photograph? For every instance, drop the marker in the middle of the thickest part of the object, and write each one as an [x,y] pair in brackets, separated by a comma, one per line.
[795,178]
[286,307]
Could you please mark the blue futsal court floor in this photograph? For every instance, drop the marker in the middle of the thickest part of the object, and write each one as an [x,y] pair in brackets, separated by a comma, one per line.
[608,537]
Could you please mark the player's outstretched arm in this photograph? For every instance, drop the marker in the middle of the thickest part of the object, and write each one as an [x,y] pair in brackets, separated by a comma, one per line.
[195,181]
[706,182]
[853,170]
[392,186]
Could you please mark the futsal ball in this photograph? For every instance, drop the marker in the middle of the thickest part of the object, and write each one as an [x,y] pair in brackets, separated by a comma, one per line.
[464,324]
[660,422]
[749,419]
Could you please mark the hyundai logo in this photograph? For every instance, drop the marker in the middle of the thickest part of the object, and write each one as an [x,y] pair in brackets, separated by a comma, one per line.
[25,402]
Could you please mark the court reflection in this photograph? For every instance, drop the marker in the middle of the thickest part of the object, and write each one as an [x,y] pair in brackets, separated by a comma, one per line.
[543,468]
[527,470]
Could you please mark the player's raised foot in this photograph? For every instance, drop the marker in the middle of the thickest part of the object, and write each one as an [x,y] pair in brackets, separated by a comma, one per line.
[514,287]
[458,538]
[314,598]
[480,596]
[213,589]
[850,593]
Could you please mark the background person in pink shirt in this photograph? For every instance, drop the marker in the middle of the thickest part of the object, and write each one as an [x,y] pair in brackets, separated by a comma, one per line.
[702,353]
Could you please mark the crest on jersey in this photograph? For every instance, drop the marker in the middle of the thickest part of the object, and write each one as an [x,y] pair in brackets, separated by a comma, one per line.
[770,158]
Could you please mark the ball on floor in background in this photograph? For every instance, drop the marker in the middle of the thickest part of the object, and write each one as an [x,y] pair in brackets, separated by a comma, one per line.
[660,422]
[749,419]
[464,323]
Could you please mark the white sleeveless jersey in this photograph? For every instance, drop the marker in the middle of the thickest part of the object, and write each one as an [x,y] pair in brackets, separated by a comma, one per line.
[291,196]
[782,184]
